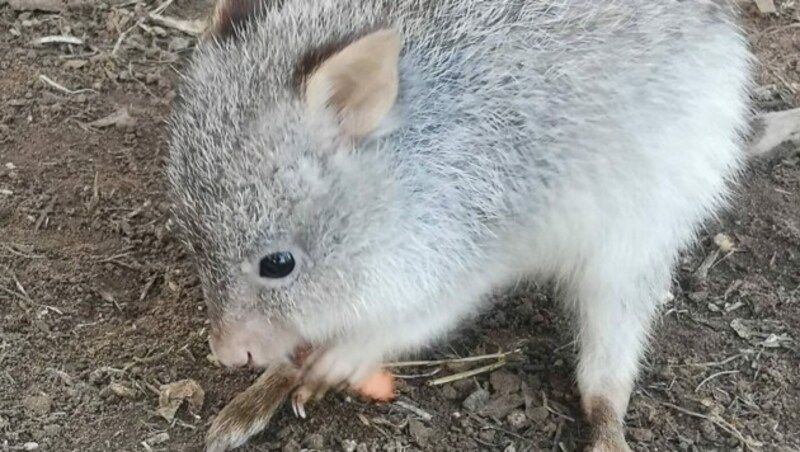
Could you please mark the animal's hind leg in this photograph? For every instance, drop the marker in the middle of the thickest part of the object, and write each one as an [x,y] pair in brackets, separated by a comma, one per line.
[614,307]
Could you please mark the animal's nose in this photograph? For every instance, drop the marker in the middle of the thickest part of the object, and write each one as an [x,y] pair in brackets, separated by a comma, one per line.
[253,342]
[229,353]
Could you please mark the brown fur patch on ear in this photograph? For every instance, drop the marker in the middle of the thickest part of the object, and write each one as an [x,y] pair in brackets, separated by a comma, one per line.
[358,83]
[311,60]
[230,14]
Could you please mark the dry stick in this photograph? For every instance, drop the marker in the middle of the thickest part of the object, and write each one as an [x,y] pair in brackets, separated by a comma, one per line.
[162,7]
[557,437]
[63,88]
[439,362]
[414,376]
[467,374]
[59,39]
[416,410]
[777,29]
[16,252]
[553,410]
[19,285]
[24,292]
[710,364]
[102,260]
[702,271]
[789,85]
[190,27]
[16,294]
[95,191]
[773,129]
[713,376]
[499,429]
[46,211]
[718,421]
[122,36]
[148,285]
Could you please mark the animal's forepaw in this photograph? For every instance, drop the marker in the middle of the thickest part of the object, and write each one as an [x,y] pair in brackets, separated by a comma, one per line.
[335,368]
[609,445]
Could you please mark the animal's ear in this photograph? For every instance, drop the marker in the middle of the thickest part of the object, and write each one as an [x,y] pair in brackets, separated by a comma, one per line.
[228,14]
[358,83]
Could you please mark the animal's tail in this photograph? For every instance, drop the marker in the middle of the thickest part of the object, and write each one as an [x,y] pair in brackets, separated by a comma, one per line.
[251,410]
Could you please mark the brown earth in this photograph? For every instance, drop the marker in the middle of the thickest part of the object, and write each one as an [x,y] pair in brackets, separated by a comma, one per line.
[99,307]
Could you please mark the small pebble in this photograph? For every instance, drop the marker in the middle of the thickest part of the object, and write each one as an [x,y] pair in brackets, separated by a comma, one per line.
[38,405]
[517,419]
[419,431]
[157,439]
[464,387]
[641,435]
[504,382]
[538,414]
[709,431]
[30,446]
[487,435]
[314,441]
[51,430]
[449,392]
[122,390]
[476,400]
[178,43]
[723,242]
[291,446]
[349,445]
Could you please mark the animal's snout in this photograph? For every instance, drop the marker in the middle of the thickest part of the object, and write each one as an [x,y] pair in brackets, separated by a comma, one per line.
[255,342]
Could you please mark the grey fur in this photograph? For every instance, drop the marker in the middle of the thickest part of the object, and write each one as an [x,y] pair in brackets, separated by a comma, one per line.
[547,139]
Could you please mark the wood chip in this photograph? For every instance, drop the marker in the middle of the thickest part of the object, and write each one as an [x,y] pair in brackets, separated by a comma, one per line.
[774,129]
[723,242]
[766,6]
[172,395]
[120,118]
[50,6]
[122,390]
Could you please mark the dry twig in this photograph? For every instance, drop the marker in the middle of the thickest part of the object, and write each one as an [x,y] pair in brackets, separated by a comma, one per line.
[53,84]
[190,27]
[466,374]
[719,422]
[713,376]
[439,362]
[57,39]
[424,415]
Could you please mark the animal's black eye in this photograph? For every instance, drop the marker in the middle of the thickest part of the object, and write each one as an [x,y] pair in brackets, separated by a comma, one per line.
[276,265]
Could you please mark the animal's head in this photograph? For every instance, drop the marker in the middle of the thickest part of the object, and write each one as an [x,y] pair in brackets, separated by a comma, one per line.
[269,188]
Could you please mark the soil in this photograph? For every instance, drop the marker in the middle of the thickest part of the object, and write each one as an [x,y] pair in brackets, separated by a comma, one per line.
[99,305]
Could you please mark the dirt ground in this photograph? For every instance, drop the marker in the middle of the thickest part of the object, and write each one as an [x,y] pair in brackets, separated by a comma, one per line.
[99,306]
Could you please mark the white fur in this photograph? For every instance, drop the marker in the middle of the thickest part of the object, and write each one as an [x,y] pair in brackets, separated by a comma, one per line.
[583,142]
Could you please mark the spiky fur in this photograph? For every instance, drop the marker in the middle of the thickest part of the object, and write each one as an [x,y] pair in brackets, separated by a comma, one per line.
[580,141]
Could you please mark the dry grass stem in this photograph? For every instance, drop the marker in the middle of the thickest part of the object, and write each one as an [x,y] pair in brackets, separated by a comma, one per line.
[466,374]
[719,422]
[439,362]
